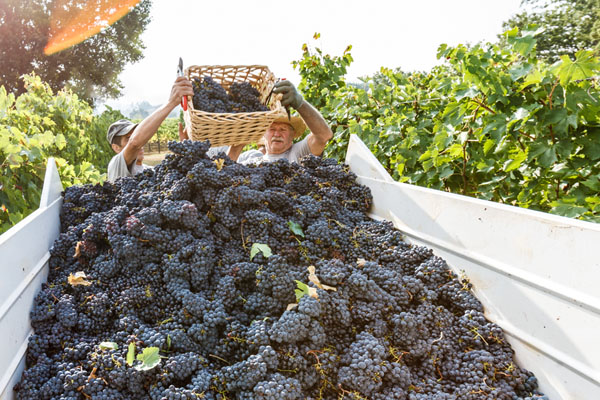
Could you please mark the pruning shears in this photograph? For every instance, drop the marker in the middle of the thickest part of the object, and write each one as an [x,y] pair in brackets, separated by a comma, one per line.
[180,73]
[287,108]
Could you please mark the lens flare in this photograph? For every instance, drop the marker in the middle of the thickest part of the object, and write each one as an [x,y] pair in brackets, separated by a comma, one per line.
[72,22]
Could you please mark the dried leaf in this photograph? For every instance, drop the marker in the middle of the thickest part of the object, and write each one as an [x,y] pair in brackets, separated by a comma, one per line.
[77,250]
[78,278]
[92,374]
[361,262]
[219,162]
[291,306]
[312,276]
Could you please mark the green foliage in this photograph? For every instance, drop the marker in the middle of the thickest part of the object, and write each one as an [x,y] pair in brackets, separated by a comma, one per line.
[321,74]
[35,126]
[493,122]
[91,68]
[168,130]
[568,26]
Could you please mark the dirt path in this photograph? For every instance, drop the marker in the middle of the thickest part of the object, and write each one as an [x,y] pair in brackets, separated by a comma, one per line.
[154,158]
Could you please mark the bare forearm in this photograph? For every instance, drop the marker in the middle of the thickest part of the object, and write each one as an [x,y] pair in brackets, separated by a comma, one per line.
[149,126]
[315,122]
[235,151]
[320,131]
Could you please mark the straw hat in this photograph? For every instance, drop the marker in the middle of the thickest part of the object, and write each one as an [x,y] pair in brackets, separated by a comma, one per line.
[295,122]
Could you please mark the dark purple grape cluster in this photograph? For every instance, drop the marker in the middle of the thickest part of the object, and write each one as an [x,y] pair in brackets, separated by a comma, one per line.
[210,96]
[245,98]
[253,282]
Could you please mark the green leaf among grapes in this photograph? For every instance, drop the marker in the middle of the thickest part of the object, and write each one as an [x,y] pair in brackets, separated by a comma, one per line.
[301,291]
[263,248]
[469,92]
[109,346]
[131,354]
[149,357]
[296,228]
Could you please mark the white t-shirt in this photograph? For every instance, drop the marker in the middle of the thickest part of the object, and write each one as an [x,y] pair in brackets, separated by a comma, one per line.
[117,168]
[294,154]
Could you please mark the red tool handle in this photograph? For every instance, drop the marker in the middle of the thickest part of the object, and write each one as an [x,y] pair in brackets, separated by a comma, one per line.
[184,103]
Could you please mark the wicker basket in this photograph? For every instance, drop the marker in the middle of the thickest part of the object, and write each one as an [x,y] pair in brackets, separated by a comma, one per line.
[233,128]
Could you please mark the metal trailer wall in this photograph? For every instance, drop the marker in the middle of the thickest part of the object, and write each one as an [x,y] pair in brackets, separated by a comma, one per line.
[23,268]
[536,274]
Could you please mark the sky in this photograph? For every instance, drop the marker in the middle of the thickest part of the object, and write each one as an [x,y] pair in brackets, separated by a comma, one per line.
[394,34]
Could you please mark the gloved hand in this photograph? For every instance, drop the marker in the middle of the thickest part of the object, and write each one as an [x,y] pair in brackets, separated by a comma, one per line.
[291,97]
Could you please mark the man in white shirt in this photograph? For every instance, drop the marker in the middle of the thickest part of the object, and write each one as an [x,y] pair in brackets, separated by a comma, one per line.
[279,138]
[128,139]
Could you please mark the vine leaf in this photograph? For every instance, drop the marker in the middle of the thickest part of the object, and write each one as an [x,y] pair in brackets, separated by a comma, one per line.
[263,248]
[109,346]
[303,289]
[149,358]
[584,66]
[131,354]
[60,141]
[296,228]
[593,183]
[516,162]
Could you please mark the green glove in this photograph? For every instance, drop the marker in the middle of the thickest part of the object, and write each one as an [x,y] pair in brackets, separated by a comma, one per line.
[291,97]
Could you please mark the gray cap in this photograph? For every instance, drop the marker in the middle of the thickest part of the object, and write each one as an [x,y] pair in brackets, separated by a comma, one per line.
[120,128]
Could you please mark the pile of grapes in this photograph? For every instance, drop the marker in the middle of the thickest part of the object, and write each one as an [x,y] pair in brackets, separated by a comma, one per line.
[210,96]
[208,279]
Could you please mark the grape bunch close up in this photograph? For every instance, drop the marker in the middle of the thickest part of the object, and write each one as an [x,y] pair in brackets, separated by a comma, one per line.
[210,96]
